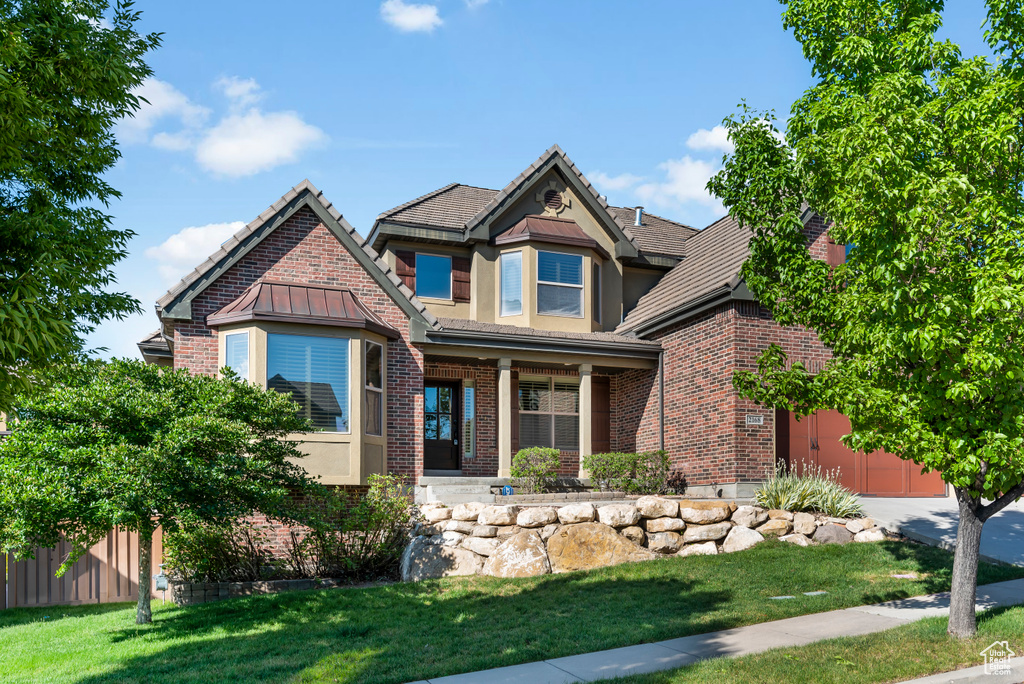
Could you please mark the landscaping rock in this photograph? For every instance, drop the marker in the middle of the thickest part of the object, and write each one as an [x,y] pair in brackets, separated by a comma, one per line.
[855,526]
[704,512]
[483,545]
[591,545]
[798,539]
[521,555]
[740,539]
[875,535]
[452,538]
[779,514]
[705,549]
[664,542]
[634,534]
[463,526]
[423,560]
[664,525]
[657,507]
[618,515]
[704,533]
[427,530]
[468,511]
[548,530]
[436,515]
[506,531]
[498,515]
[484,531]
[868,523]
[749,516]
[536,517]
[775,528]
[577,513]
[832,534]
[803,523]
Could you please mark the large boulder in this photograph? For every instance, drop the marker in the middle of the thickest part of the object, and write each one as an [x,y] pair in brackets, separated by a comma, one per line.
[740,539]
[664,525]
[468,511]
[485,546]
[803,523]
[503,532]
[463,526]
[704,512]
[657,507]
[776,527]
[874,535]
[498,515]
[832,534]
[521,555]
[548,530]
[484,531]
[779,514]
[703,549]
[591,545]
[749,516]
[452,538]
[536,517]
[704,533]
[618,515]
[634,534]
[436,515]
[423,559]
[664,542]
[577,513]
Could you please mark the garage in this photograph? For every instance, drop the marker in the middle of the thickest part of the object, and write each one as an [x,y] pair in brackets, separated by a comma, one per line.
[815,440]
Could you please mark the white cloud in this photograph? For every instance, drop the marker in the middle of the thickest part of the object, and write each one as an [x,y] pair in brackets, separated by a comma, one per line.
[246,144]
[175,142]
[164,102]
[607,183]
[243,92]
[473,4]
[683,184]
[717,139]
[179,254]
[409,18]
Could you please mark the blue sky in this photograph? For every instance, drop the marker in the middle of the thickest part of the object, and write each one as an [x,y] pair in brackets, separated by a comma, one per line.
[379,102]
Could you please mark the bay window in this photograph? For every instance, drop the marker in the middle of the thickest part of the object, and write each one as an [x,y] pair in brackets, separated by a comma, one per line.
[560,284]
[374,362]
[511,267]
[315,371]
[236,353]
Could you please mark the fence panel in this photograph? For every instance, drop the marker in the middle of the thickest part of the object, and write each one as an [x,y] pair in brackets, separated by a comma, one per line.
[107,573]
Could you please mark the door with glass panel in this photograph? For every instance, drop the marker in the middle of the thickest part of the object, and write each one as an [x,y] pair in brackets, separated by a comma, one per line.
[441,426]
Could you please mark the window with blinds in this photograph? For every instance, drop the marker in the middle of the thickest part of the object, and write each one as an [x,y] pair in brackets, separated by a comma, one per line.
[511,283]
[236,353]
[549,413]
[315,371]
[560,284]
[468,419]
[374,389]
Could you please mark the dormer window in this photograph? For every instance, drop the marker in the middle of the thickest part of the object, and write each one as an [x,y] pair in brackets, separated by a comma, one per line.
[560,284]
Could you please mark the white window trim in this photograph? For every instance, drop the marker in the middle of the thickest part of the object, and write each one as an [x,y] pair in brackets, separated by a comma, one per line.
[248,352]
[348,340]
[451,277]
[583,280]
[501,283]
[370,388]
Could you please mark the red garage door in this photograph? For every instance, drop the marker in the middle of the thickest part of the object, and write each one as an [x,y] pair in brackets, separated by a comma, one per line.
[815,440]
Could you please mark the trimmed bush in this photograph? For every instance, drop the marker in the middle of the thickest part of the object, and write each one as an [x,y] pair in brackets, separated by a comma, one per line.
[635,473]
[235,552]
[535,469]
[813,490]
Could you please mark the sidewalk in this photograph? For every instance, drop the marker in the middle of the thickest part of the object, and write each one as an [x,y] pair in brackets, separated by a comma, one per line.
[806,629]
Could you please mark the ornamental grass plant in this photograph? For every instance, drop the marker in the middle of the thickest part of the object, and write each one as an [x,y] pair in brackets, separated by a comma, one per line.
[808,488]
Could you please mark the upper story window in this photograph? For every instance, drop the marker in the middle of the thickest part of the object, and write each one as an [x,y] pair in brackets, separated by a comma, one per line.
[315,370]
[236,353]
[433,276]
[374,388]
[598,303]
[511,264]
[560,284]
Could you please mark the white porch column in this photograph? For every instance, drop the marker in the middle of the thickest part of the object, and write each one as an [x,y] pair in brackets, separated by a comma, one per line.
[586,414]
[504,417]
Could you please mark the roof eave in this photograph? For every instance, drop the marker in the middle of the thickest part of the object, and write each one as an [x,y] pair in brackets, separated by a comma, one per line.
[512,343]
[720,295]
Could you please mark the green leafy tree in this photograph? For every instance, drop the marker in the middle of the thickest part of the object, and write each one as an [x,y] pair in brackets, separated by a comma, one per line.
[916,153]
[66,77]
[134,446]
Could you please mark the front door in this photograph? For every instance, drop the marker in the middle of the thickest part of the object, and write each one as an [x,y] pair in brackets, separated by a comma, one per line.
[441,426]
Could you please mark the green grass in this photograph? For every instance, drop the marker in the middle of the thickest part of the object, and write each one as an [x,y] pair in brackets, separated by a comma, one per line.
[915,650]
[404,632]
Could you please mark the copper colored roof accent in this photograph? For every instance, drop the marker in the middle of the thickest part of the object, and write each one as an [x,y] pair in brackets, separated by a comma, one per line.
[296,303]
[559,231]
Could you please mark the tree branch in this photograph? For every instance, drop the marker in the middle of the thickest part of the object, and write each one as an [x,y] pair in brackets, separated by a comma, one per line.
[986,512]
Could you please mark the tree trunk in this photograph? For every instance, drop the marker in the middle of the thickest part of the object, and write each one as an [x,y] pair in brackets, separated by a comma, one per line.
[962,622]
[144,613]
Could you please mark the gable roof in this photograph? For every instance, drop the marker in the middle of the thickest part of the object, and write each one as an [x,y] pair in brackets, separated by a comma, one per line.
[177,302]
[710,268]
[656,235]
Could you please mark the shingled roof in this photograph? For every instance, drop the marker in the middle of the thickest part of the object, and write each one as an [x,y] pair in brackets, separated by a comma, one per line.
[713,258]
[449,207]
[656,235]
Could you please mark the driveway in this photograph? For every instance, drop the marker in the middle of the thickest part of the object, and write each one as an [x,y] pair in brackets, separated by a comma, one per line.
[934,520]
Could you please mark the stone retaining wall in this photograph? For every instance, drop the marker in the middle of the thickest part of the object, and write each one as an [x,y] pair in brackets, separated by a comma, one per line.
[191,593]
[523,541]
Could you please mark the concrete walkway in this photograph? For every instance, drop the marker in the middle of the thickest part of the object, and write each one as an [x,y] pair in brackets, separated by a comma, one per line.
[806,629]
[934,520]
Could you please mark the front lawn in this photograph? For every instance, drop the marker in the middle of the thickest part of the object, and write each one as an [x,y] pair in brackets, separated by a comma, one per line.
[910,651]
[405,632]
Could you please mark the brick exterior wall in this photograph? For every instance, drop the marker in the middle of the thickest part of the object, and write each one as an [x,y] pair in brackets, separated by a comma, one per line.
[303,250]
[485,379]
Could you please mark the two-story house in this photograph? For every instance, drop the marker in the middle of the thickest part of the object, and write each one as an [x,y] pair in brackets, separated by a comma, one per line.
[471,322]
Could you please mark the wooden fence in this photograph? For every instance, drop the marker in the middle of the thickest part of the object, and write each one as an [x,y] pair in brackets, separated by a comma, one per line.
[108,573]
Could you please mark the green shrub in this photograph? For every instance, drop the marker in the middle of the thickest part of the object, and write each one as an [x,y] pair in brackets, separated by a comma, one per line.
[812,490]
[233,552]
[649,473]
[646,472]
[535,469]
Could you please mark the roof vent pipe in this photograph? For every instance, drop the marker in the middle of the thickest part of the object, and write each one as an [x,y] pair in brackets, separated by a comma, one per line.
[639,216]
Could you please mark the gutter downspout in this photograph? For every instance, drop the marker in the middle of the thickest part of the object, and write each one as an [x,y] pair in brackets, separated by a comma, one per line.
[661,400]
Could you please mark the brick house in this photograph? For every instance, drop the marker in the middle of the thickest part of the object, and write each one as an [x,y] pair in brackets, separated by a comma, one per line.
[473,322]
